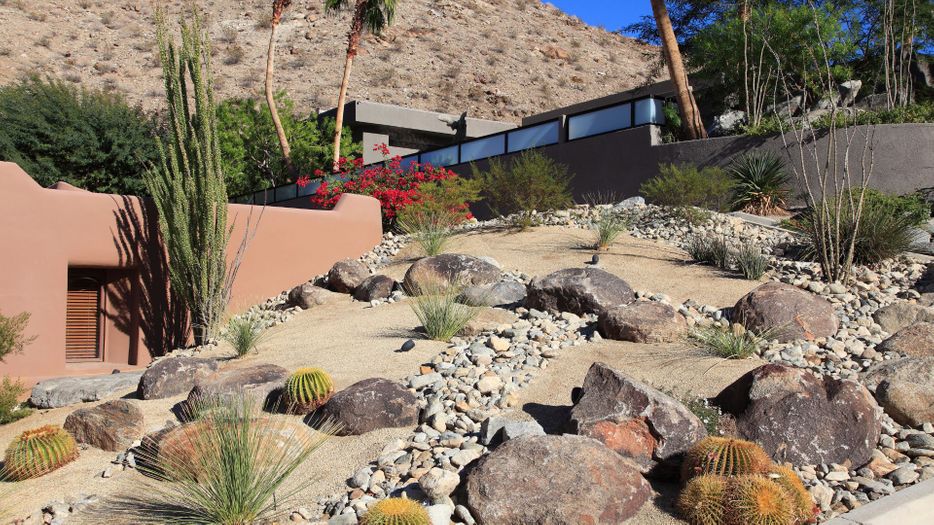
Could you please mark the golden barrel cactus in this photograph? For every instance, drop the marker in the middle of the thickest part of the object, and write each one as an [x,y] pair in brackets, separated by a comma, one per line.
[39,451]
[396,511]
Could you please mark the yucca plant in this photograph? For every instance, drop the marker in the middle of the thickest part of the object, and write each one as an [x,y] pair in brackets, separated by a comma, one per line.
[227,468]
[244,334]
[722,456]
[729,344]
[760,183]
[37,452]
[431,229]
[440,312]
[750,262]
[307,389]
[607,228]
[396,511]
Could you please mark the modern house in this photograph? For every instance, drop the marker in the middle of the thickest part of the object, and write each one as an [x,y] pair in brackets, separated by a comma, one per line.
[91,271]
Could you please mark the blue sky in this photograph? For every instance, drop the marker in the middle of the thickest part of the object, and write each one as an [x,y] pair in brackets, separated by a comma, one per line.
[611,14]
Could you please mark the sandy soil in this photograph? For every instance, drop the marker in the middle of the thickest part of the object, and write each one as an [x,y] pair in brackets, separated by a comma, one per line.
[353,342]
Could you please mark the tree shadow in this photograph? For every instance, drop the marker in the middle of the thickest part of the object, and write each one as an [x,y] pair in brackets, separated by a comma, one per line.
[144,298]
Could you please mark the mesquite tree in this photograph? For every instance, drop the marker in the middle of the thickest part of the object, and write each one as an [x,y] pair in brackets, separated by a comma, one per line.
[278,7]
[373,15]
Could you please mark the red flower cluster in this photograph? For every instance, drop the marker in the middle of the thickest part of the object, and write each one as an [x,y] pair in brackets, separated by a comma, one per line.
[393,186]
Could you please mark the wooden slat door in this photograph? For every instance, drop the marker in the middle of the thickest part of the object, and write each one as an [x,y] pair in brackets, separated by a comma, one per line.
[82,319]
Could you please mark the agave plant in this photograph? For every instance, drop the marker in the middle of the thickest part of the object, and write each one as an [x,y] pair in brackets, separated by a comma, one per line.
[760,183]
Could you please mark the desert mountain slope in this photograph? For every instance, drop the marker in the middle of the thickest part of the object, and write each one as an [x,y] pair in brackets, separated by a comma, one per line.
[498,59]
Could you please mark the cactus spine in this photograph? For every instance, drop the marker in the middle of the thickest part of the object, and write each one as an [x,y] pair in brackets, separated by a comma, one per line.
[703,500]
[724,457]
[801,502]
[757,500]
[307,389]
[37,452]
[396,511]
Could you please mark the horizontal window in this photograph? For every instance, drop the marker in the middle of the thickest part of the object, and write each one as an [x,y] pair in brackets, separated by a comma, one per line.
[600,121]
[408,161]
[483,148]
[286,192]
[534,136]
[309,188]
[441,157]
[649,111]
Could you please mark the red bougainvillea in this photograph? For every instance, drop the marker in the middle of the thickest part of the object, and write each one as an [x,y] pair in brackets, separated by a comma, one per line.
[394,186]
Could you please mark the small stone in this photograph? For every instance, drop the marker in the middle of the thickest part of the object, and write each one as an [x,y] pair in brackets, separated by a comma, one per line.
[406,346]
[904,475]
[438,484]
[489,384]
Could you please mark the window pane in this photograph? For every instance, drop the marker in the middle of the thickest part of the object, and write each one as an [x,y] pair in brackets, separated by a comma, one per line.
[534,136]
[263,197]
[441,157]
[286,192]
[600,121]
[408,161]
[649,111]
[483,148]
[309,188]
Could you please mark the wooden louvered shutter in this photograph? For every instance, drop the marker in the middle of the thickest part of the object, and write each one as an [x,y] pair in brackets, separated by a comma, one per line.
[82,320]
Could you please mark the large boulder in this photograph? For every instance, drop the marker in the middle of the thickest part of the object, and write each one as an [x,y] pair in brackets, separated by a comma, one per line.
[803,418]
[345,276]
[368,405]
[505,293]
[902,314]
[643,322]
[374,288]
[173,376]
[308,295]
[554,480]
[904,388]
[848,92]
[64,391]
[916,340]
[112,426]
[442,271]
[635,420]
[787,311]
[259,381]
[579,290]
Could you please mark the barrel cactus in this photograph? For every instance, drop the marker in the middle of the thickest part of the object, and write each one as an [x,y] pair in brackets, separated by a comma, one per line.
[724,457]
[757,500]
[307,389]
[801,502]
[39,451]
[703,500]
[396,511]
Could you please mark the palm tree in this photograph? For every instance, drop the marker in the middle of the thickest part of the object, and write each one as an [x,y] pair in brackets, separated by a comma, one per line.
[374,15]
[278,6]
[693,125]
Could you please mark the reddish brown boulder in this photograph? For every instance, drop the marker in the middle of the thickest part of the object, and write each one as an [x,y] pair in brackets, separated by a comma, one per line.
[803,418]
[578,290]
[643,322]
[374,287]
[787,311]
[554,480]
[112,426]
[905,389]
[916,340]
[345,276]
[258,382]
[308,295]
[442,271]
[635,420]
[368,405]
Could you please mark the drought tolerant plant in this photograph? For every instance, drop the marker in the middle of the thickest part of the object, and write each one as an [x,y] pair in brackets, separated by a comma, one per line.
[435,210]
[37,452]
[530,182]
[757,500]
[760,183]
[607,228]
[278,6]
[703,500]
[12,338]
[729,344]
[710,250]
[802,505]
[440,312]
[396,511]
[10,408]
[244,334]
[307,389]
[722,456]
[430,229]
[686,185]
[750,262]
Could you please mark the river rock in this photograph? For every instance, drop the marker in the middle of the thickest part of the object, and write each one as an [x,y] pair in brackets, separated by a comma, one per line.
[505,293]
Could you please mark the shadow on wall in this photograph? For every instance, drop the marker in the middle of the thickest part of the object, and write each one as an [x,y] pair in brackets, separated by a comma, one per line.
[145,297]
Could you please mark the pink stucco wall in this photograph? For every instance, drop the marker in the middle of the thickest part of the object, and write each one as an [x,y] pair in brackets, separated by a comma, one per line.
[44,231]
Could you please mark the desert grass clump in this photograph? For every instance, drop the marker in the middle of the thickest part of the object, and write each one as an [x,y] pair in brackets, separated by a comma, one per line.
[722,456]
[607,228]
[37,452]
[430,229]
[750,262]
[396,511]
[244,334]
[728,343]
[703,500]
[307,389]
[710,250]
[440,311]
[760,183]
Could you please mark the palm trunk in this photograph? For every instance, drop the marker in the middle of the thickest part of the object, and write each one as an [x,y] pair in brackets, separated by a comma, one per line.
[271,100]
[339,118]
[693,125]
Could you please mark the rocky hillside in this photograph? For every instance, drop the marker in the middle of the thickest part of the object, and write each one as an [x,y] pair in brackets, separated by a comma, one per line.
[498,59]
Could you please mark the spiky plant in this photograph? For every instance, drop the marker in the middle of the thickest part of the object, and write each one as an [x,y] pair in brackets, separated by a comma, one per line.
[710,250]
[729,344]
[801,502]
[37,452]
[396,511]
[724,457]
[431,229]
[760,183]
[750,262]
[440,311]
[703,500]
[608,227]
[244,334]
[307,389]
[757,500]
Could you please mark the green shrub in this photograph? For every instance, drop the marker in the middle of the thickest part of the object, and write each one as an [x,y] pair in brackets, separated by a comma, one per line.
[435,210]
[919,113]
[10,408]
[686,185]
[91,139]
[760,183]
[250,152]
[440,311]
[244,334]
[729,344]
[12,338]
[750,262]
[529,182]
[692,215]
[607,229]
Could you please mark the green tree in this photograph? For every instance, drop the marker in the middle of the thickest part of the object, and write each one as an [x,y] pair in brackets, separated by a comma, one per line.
[91,139]
[250,154]
[373,15]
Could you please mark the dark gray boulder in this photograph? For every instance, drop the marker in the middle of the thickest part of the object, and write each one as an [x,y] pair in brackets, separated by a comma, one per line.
[173,376]
[505,293]
[787,311]
[64,391]
[345,276]
[802,418]
[554,480]
[112,426]
[447,269]
[368,405]
[578,290]
[374,288]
